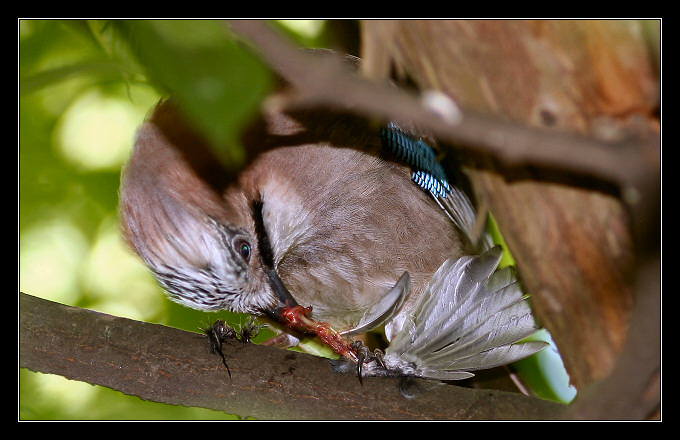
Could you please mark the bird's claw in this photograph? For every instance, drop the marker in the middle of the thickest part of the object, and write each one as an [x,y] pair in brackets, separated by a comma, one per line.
[365,356]
[249,331]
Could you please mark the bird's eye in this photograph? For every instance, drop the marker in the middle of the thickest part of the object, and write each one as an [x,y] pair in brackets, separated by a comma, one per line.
[243,248]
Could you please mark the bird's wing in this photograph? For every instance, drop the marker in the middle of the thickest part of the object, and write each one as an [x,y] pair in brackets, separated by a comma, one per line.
[470,317]
[383,309]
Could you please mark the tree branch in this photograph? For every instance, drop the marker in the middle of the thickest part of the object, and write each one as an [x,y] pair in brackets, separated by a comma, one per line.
[327,81]
[172,366]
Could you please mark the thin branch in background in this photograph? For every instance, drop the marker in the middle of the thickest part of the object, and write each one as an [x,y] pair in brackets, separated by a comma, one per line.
[327,81]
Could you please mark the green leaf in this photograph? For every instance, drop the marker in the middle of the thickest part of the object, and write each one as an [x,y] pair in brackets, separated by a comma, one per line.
[217,82]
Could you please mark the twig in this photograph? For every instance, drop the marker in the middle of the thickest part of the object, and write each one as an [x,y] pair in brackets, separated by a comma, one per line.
[326,81]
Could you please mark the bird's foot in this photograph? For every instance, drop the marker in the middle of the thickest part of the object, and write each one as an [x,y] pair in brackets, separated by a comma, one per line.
[249,330]
[365,357]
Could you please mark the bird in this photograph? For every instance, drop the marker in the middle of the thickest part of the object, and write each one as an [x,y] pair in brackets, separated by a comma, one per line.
[332,229]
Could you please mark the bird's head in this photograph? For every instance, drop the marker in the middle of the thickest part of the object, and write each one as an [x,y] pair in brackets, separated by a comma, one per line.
[205,253]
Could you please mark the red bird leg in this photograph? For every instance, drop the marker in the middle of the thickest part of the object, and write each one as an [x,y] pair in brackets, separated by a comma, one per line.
[296,319]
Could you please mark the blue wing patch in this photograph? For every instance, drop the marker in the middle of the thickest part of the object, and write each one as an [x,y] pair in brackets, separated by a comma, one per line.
[428,174]
[427,171]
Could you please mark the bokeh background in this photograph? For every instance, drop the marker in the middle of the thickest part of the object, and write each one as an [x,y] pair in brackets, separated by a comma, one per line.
[84,88]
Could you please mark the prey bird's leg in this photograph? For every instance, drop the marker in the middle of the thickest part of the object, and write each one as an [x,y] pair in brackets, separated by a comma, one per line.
[218,334]
[295,318]
[355,351]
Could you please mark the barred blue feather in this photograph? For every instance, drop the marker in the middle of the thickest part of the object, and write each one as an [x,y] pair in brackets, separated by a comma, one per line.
[429,174]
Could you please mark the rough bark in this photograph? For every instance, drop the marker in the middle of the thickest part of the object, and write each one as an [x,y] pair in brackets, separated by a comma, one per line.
[168,365]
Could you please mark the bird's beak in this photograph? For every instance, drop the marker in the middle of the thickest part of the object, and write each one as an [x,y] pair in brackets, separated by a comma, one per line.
[284,300]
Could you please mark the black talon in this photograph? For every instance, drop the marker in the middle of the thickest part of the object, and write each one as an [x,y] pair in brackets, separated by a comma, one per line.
[360,363]
[361,352]
[364,356]
[378,357]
